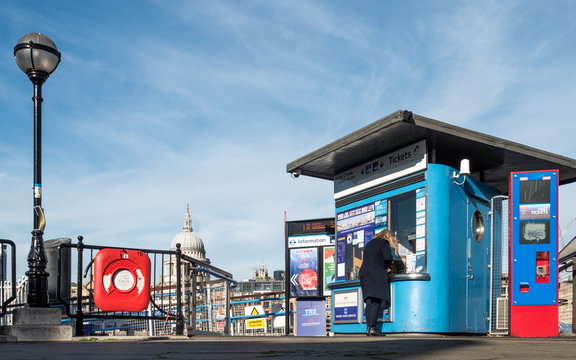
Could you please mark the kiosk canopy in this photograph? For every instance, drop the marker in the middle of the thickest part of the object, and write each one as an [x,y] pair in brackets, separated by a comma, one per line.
[492,159]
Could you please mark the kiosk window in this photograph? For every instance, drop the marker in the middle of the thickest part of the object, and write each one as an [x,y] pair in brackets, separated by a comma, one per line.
[403,214]
[535,232]
[478,226]
[403,223]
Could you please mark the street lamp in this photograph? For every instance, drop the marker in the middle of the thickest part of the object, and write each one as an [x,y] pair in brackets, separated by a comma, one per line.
[38,57]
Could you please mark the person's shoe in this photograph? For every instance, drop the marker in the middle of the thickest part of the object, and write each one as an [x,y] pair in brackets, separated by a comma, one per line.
[372,331]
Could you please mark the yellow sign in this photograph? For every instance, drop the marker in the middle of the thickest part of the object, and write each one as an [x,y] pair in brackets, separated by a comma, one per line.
[256,323]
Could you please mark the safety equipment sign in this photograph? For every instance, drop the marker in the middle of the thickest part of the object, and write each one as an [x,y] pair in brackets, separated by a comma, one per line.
[121,280]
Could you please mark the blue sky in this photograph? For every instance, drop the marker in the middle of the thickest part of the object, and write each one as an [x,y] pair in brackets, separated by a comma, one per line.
[159,104]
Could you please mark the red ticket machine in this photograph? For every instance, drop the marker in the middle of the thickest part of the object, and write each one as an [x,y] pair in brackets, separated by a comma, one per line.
[534,253]
[121,280]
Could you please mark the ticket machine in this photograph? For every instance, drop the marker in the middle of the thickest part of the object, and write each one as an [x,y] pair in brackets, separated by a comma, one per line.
[534,253]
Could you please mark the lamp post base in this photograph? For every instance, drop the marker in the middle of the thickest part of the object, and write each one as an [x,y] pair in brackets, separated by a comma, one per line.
[37,275]
[37,324]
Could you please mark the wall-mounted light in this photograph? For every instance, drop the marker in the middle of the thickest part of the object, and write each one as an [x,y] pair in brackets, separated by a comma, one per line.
[463,173]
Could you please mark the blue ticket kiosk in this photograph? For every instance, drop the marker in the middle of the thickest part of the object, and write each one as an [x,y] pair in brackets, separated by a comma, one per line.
[434,186]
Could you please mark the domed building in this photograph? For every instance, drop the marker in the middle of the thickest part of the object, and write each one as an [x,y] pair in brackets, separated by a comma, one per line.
[191,244]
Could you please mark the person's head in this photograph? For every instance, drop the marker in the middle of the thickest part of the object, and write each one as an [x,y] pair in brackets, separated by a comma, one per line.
[384,234]
[388,236]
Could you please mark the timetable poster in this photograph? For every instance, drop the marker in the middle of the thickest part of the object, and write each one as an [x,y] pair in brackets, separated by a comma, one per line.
[420,258]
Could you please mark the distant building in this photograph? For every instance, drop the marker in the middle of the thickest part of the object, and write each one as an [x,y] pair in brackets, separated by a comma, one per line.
[260,283]
[279,275]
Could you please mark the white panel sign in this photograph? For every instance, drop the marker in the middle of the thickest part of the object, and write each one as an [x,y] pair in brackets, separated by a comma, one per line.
[391,166]
[310,240]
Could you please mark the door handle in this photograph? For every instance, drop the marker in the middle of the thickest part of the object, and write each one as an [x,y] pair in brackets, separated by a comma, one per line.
[470,275]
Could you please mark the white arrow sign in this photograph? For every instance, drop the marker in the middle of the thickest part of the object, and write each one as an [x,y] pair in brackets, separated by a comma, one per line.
[294,279]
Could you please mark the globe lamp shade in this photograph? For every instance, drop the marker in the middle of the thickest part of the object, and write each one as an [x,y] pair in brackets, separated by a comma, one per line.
[36,53]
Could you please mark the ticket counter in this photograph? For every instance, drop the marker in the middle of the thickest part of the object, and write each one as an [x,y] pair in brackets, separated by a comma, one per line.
[433,186]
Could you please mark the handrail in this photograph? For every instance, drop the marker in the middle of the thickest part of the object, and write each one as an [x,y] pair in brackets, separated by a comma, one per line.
[566,257]
[206,265]
[565,266]
[13,269]
[216,274]
[222,275]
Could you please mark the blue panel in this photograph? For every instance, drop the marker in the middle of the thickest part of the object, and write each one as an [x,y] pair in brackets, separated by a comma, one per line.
[534,264]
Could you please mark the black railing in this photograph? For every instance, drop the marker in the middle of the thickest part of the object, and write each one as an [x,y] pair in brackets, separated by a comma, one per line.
[3,266]
[166,295]
[211,270]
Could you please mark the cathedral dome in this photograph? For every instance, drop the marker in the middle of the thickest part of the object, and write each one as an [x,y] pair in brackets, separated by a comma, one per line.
[190,243]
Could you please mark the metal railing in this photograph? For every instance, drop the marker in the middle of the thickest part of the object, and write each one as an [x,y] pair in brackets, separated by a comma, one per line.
[8,288]
[181,293]
[273,319]
[173,276]
[500,234]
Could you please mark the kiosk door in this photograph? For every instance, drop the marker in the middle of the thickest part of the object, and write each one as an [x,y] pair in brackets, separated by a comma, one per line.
[478,260]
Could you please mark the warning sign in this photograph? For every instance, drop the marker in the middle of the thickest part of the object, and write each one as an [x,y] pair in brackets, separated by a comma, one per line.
[256,323]
[254,310]
[257,310]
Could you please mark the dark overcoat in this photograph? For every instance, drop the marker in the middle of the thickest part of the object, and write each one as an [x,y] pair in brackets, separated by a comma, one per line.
[374,270]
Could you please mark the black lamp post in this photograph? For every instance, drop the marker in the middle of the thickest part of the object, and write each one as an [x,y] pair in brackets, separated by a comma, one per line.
[38,57]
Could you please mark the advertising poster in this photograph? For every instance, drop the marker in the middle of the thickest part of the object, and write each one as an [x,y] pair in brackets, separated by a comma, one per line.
[304,272]
[329,268]
[310,318]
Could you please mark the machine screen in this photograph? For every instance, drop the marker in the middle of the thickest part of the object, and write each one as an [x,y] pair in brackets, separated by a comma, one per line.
[535,191]
[534,232]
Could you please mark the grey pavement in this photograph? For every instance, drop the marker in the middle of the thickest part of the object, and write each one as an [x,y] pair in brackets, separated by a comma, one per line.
[290,347]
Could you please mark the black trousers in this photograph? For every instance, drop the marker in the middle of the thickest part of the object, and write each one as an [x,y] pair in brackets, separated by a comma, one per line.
[372,309]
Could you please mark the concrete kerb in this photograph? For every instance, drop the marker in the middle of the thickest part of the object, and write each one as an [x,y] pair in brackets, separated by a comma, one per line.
[392,346]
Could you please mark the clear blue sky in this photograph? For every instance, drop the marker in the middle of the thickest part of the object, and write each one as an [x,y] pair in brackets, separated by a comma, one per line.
[157,104]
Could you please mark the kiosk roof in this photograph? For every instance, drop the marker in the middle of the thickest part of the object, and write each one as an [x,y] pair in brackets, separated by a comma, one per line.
[491,158]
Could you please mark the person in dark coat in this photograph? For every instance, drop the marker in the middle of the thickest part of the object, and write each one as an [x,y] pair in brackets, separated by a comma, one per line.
[374,271]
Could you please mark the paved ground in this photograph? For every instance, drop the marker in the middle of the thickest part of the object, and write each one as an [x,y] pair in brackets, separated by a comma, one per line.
[404,347]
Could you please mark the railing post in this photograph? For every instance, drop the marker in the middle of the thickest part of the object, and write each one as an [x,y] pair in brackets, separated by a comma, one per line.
[179,317]
[227,325]
[4,302]
[192,303]
[79,310]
